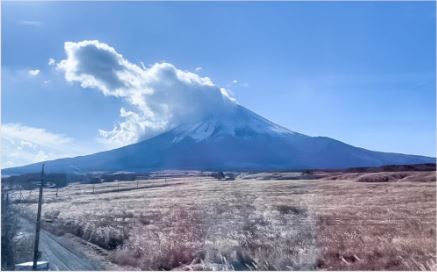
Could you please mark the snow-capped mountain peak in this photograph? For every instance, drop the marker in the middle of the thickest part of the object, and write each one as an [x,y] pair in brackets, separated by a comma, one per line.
[241,123]
[239,141]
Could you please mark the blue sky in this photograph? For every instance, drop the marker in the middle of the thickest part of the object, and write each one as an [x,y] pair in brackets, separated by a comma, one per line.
[359,72]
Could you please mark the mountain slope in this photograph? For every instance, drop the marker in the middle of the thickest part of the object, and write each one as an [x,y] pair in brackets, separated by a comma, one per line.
[241,140]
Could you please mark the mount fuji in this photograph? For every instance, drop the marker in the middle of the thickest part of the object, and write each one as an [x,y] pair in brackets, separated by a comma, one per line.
[237,141]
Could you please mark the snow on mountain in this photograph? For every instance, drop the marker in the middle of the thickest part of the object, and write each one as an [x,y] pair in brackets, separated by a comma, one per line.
[236,124]
[238,140]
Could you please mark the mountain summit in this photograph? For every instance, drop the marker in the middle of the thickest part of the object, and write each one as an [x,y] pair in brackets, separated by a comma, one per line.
[238,140]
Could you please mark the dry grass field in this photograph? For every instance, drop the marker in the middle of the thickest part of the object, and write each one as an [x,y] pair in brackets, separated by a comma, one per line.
[200,223]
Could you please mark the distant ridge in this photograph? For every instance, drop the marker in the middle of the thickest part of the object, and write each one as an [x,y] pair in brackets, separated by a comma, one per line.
[395,168]
[239,141]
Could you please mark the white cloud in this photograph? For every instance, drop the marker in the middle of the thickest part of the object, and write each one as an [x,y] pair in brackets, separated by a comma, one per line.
[51,61]
[198,69]
[34,72]
[126,131]
[160,97]
[242,84]
[30,23]
[24,145]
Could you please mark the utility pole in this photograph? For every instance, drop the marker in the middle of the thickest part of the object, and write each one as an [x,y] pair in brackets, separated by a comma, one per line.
[21,195]
[38,222]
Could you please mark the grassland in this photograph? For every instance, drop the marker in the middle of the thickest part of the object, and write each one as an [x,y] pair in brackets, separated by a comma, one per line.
[200,223]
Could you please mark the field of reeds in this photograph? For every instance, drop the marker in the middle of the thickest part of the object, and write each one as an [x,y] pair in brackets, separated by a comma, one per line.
[201,223]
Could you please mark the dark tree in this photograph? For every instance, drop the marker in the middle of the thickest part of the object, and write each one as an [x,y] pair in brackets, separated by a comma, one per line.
[8,231]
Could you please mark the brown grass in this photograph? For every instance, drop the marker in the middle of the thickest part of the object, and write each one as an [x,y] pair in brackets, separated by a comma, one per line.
[384,226]
[24,247]
[204,224]
[411,176]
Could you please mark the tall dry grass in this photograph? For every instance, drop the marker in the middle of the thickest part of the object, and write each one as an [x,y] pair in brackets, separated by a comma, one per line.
[205,224]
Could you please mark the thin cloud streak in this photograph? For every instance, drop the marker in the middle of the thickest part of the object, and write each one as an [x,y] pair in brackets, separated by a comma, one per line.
[30,23]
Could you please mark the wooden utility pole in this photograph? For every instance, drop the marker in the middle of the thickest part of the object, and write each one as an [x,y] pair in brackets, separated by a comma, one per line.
[21,195]
[38,222]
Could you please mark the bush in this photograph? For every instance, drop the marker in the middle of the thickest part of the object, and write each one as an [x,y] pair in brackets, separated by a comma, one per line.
[285,209]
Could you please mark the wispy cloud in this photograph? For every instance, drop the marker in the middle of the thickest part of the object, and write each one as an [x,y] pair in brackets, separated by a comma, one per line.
[30,23]
[198,69]
[23,144]
[242,84]
[51,62]
[34,72]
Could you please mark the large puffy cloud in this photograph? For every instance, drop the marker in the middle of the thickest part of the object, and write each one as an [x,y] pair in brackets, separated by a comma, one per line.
[160,97]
